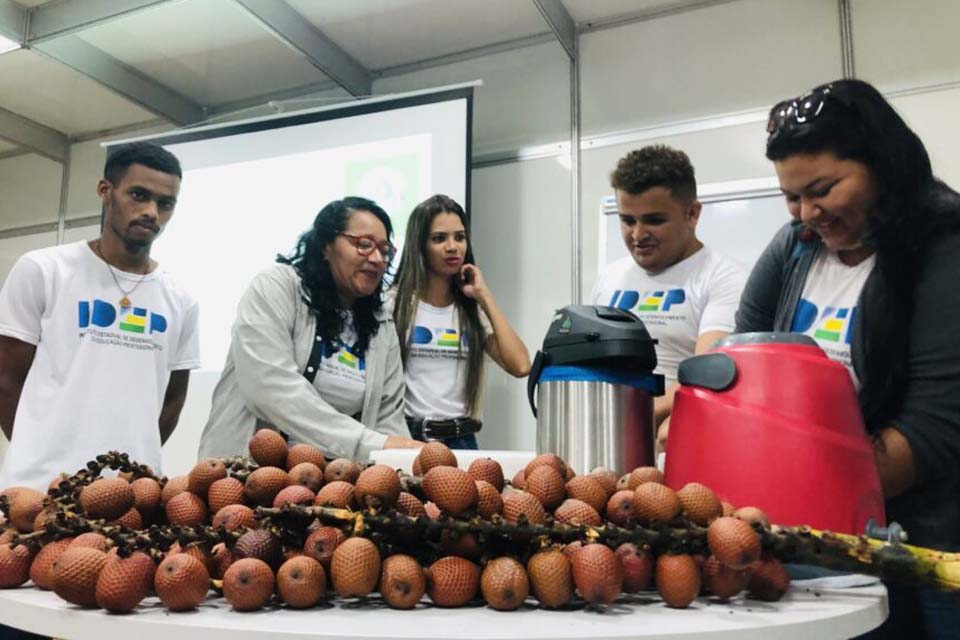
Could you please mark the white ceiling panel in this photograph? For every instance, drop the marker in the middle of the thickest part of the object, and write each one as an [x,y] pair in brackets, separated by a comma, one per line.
[60,98]
[210,51]
[586,11]
[385,33]
[27,4]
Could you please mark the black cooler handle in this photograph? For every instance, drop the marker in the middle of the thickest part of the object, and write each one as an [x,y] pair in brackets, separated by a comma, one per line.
[540,361]
[715,371]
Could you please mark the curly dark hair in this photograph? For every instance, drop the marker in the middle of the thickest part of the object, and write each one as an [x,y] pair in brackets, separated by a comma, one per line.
[656,166]
[318,288]
[855,122]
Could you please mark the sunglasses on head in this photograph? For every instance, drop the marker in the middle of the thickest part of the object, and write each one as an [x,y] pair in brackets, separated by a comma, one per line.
[803,109]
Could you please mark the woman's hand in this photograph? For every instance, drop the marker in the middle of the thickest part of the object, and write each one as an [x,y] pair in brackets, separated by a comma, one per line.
[472,283]
[399,442]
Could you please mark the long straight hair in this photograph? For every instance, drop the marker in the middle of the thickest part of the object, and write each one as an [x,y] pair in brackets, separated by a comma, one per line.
[411,285]
[913,209]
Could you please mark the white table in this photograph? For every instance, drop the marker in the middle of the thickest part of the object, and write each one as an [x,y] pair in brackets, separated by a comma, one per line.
[804,613]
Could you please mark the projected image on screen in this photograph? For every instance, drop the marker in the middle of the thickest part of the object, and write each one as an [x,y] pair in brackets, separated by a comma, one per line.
[245,197]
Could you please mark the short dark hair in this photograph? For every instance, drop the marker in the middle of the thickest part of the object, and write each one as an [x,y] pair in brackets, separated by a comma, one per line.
[318,289]
[148,154]
[656,166]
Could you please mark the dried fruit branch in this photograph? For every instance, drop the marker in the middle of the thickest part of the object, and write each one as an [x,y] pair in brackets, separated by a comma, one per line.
[897,562]
[902,563]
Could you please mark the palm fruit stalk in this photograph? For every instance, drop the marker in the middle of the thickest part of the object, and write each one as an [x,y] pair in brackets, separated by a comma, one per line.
[860,554]
[891,561]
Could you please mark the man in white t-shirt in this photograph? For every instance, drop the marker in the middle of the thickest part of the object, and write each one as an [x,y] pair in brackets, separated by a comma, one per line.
[96,341]
[685,293]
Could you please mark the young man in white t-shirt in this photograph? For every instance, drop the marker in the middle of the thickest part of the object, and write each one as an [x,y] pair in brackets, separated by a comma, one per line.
[685,293]
[96,342]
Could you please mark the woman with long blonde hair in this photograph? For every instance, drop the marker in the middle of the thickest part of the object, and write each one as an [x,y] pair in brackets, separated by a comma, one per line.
[447,318]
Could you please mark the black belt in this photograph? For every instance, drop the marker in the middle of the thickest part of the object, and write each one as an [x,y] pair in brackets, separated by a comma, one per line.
[446,428]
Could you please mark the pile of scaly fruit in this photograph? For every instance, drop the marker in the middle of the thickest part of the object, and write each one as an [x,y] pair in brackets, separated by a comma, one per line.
[290,524]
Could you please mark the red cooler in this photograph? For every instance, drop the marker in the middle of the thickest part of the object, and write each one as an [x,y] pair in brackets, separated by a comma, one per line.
[768,420]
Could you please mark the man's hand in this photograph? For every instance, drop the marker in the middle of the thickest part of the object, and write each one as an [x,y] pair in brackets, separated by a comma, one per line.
[399,442]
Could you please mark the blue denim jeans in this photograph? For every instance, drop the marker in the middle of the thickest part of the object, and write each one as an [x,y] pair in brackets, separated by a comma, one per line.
[919,613]
[463,442]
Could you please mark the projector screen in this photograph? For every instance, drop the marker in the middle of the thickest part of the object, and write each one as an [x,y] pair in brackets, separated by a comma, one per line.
[250,189]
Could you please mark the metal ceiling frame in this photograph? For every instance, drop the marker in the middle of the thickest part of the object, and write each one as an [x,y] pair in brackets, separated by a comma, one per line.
[69,16]
[298,33]
[48,142]
[109,72]
[560,23]
[58,19]
[49,29]
[13,21]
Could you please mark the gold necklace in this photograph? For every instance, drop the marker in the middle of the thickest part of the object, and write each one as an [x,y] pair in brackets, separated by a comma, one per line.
[125,300]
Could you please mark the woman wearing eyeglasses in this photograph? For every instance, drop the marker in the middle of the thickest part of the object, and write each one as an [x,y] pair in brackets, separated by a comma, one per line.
[313,353]
[874,249]
[447,319]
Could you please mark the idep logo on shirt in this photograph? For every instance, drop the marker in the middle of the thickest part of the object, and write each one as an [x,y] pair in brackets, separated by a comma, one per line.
[347,356]
[437,335]
[834,324]
[657,300]
[134,320]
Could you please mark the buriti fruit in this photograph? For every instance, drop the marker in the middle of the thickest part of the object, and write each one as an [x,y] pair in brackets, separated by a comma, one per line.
[181,582]
[452,581]
[551,578]
[268,448]
[402,581]
[301,582]
[355,567]
[248,584]
[504,584]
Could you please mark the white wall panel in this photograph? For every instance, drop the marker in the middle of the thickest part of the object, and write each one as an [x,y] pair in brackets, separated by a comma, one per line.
[521,236]
[721,59]
[524,100]
[29,191]
[86,169]
[906,44]
[933,117]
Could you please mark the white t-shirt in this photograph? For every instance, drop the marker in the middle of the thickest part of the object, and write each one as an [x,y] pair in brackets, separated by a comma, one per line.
[694,296]
[828,305]
[436,371]
[100,373]
[342,376]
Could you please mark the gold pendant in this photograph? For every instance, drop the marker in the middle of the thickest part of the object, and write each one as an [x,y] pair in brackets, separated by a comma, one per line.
[125,303]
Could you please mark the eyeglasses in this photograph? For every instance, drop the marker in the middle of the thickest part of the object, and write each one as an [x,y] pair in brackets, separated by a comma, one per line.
[366,244]
[803,109]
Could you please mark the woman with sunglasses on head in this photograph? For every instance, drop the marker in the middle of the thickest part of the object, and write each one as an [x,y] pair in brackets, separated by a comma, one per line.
[875,244]
[447,318]
[313,353]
